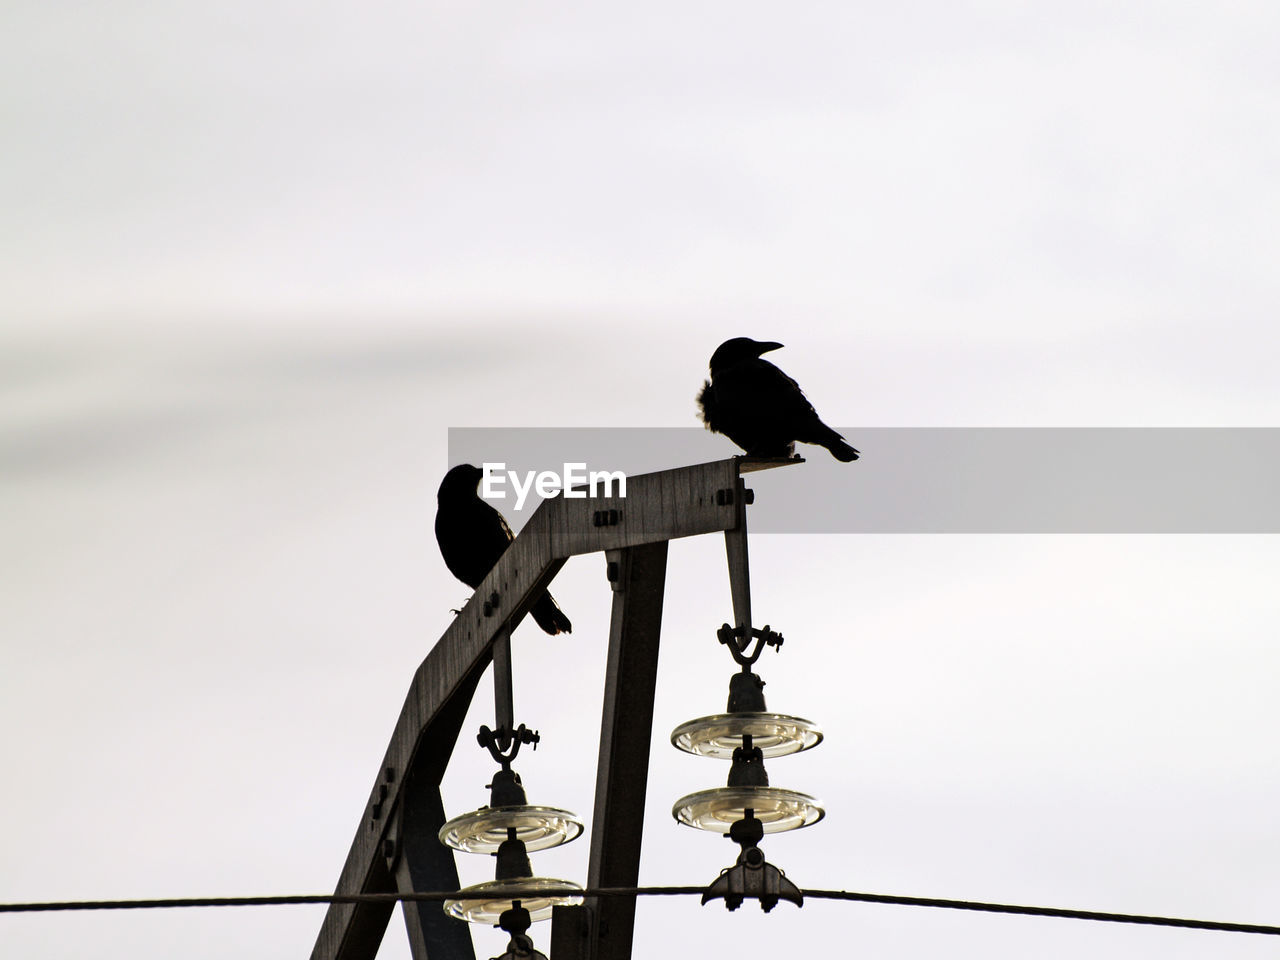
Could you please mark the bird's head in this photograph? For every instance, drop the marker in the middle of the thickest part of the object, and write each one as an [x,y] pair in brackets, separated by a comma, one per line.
[738,350]
[461,481]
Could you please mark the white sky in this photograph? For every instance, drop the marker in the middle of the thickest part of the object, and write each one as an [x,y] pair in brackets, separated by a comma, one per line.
[259,257]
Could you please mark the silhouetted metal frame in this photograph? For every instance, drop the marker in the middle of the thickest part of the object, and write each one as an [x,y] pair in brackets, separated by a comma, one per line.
[393,846]
[617,824]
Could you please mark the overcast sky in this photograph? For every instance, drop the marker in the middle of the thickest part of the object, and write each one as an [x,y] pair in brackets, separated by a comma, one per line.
[258,258]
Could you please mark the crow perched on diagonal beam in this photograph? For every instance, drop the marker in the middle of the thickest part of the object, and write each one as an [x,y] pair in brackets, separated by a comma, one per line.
[473,535]
[759,407]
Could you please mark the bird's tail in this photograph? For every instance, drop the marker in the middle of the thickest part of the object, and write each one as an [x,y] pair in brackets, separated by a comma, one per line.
[826,437]
[548,615]
[841,451]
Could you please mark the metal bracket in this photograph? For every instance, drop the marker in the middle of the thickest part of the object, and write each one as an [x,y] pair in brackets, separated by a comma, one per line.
[606,518]
[737,640]
[515,922]
[504,743]
[752,875]
[378,801]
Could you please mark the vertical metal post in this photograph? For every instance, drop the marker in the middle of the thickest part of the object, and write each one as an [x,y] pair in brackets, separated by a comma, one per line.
[570,932]
[503,704]
[638,576]
[735,546]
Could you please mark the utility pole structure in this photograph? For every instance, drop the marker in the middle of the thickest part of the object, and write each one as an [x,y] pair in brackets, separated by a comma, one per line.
[396,848]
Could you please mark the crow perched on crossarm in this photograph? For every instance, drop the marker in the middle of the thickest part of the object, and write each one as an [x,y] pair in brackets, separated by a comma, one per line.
[473,535]
[759,407]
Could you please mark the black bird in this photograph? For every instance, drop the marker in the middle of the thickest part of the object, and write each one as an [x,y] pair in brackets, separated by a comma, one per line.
[473,535]
[759,407]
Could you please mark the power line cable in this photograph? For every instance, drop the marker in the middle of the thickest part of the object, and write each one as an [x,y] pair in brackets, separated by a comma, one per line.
[516,893]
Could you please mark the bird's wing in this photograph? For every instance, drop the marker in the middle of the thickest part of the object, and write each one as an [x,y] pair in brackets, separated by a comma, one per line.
[791,397]
[760,391]
[795,410]
[490,527]
[472,536]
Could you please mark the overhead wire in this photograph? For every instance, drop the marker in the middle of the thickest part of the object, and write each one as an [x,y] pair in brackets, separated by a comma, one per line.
[598,892]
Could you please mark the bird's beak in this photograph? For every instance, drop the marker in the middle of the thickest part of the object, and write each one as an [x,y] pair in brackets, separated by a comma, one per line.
[766,347]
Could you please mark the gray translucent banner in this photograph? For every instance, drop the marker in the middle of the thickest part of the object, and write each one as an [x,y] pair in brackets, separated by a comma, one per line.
[945,480]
